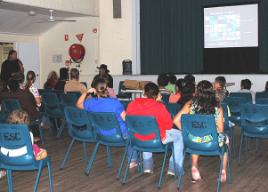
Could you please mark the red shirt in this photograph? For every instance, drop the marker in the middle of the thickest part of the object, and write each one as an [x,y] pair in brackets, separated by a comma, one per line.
[151,107]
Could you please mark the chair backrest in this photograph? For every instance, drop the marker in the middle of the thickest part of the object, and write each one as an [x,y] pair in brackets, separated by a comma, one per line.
[78,94]
[9,105]
[194,129]
[79,124]
[165,98]
[15,136]
[68,99]
[107,127]
[51,103]
[144,133]
[247,96]
[261,95]
[234,104]
[262,100]
[254,119]
[173,108]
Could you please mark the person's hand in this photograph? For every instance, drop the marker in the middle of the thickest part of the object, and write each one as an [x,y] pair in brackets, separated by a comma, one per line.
[91,90]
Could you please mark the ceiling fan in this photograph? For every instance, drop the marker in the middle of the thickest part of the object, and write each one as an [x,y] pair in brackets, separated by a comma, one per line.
[52,19]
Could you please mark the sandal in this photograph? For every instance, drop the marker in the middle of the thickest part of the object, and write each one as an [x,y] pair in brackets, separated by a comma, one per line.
[195,175]
[223,176]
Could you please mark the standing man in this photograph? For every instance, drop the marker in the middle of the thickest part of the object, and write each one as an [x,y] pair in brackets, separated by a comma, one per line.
[10,66]
[104,74]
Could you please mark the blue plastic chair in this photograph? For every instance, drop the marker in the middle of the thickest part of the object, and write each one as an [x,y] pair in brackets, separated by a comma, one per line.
[9,105]
[227,129]
[108,133]
[254,123]
[200,126]
[79,128]
[234,104]
[145,126]
[173,108]
[68,99]
[262,101]
[260,95]
[53,110]
[14,136]
[246,96]
[78,94]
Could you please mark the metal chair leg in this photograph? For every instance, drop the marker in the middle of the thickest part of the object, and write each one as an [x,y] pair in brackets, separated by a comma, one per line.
[109,156]
[219,177]
[127,169]
[162,169]
[60,130]
[85,151]
[9,181]
[67,154]
[92,159]
[38,175]
[49,175]
[122,164]
[240,147]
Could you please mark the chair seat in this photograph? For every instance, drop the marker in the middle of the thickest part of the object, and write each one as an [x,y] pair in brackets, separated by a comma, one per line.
[25,167]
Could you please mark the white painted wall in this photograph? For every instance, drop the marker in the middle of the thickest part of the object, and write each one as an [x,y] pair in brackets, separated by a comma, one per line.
[52,42]
[115,35]
[77,6]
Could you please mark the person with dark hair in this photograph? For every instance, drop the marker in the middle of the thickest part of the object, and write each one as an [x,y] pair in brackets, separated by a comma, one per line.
[162,81]
[104,74]
[30,79]
[171,87]
[25,97]
[101,102]
[10,66]
[204,102]
[52,80]
[74,84]
[190,81]
[174,98]
[151,105]
[64,76]
[245,88]
[219,86]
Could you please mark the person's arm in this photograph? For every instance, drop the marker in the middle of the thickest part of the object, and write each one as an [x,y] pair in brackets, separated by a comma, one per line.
[80,101]
[184,110]
[123,115]
[220,121]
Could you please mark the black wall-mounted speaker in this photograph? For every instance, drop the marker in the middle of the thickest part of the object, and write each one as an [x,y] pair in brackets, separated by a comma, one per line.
[117,10]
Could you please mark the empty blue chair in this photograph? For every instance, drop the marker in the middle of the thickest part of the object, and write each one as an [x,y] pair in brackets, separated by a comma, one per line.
[201,126]
[246,96]
[146,126]
[254,123]
[53,110]
[79,129]
[108,133]
[234,104]
[14,136]
[227,129]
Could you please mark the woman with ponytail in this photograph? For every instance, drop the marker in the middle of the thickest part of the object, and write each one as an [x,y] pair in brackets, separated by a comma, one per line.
[30,79]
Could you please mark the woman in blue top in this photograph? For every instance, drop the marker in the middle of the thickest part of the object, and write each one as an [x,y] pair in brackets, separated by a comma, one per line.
[101,102]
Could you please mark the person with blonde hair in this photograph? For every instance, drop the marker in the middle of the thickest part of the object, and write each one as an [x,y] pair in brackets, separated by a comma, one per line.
[52,80]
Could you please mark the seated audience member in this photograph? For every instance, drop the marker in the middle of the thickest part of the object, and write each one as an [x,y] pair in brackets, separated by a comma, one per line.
[204,102]
[104,74]
[64,76]
[151,105]
[174,98]
[245,88]
[30,79]
[74,85]
[25,97]
[52,80]
[21,117]
[220,88]
[162,82]
[190,81]
[186,92]
[172,83]
[101,102]
[266,87]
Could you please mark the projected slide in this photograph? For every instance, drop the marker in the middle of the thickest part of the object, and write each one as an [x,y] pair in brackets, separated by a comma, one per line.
[231,26]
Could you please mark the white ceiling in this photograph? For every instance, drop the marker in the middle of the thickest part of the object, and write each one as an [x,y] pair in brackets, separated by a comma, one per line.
[14,19]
